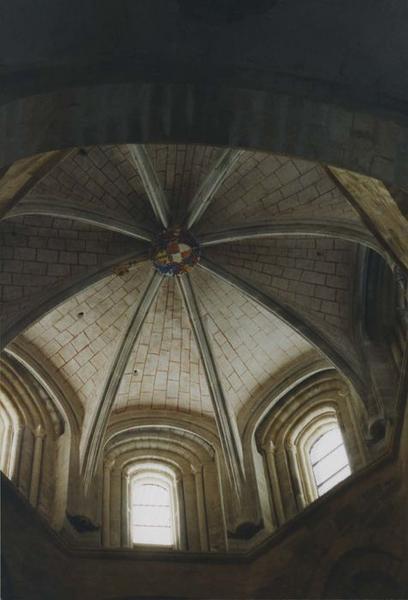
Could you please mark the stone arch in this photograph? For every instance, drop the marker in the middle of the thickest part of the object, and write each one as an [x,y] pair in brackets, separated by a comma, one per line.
[318,399]
[32,359]
[33,429]
[10,423]
[194,465]
[43,459]
[203,428]
[259,507]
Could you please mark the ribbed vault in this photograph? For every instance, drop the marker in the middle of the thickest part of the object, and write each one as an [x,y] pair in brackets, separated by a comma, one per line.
[164,369]
[276,282]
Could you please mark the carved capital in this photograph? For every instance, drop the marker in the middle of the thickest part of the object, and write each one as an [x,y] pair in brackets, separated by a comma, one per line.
[108,463]
[269,447]
[290,447]
[40,432]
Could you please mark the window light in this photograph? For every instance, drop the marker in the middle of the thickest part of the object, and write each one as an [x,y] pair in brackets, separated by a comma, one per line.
[151,513]
[329,460]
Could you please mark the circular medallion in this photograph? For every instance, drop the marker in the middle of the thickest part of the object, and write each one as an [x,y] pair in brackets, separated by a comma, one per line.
[175,252]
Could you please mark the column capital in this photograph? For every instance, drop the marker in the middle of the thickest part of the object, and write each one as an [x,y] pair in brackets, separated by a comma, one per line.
[290,447]
[108,463]
[40,432]
[269,447]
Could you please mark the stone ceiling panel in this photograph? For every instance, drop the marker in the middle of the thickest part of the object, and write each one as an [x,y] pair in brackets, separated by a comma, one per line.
[313,276]
[181,169]
[165,369]
[265,187]
[103,177]
[79,338]
[316,275]
[39,252]
[251,346]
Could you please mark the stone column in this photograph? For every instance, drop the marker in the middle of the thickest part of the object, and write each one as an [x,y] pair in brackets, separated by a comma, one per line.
[15,457]
[295,475]
[190,502]
[402,281]
[39,436]
[25,462]
[215,512]
[7,450]
[269,450]
[285,482]
[125,512]
[106,512]
[181,517]
[115,506]
[201,511]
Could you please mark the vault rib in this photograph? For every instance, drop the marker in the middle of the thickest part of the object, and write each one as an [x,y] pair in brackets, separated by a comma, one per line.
[100,418]
[299,324]
[210,185]
[290,227]
[225,418]
[77,284]
[77,213]
[151,183]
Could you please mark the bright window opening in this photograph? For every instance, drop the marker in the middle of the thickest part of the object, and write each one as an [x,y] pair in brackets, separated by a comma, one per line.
[151,513]
[329,460]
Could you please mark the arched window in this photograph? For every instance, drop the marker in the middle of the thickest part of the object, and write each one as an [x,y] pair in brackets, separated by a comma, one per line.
[162,488]
[10,423]
[303,448]
[153,507]
[34,438]
[329,460]
[151,511]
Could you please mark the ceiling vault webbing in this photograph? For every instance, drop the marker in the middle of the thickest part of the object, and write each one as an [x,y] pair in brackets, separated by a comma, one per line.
[225,418]
[151,182]
[210,185]
[258,197]
[298,323]
[118,365]
[76,285]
